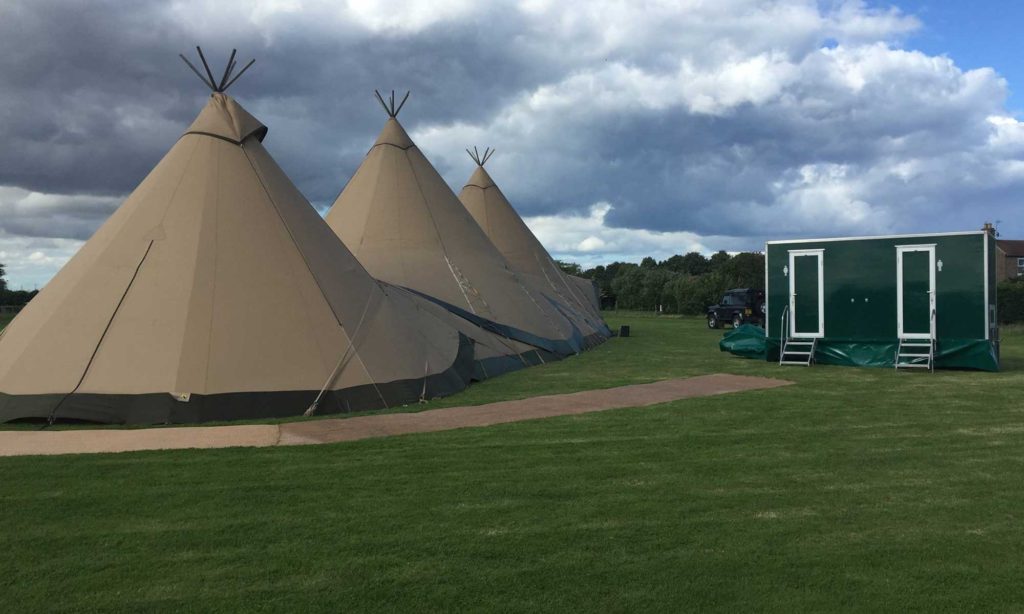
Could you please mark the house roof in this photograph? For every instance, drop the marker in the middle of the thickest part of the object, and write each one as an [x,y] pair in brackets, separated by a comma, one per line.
[1012,248]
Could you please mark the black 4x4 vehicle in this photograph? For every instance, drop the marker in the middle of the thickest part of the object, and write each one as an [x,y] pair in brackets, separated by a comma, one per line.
[738,306]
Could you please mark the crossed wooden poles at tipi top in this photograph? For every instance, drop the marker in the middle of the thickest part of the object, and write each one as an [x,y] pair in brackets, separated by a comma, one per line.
[480,160]
[208,80]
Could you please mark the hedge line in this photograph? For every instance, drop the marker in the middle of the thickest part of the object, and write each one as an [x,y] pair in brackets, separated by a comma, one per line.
[1011,302]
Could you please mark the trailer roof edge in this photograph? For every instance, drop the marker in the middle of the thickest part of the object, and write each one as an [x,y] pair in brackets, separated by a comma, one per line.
[905,236]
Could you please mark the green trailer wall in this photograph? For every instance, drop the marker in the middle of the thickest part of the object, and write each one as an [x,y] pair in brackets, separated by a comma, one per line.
[860,298]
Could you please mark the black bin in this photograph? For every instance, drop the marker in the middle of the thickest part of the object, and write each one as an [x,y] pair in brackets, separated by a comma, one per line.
[624,330]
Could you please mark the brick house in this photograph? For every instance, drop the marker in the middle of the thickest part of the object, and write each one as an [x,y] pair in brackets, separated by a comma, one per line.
[1009,259]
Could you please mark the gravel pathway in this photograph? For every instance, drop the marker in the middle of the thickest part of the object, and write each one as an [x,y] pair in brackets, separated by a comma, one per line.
[83,441]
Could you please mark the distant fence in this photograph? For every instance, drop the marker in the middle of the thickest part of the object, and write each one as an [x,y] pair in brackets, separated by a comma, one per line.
[10,309]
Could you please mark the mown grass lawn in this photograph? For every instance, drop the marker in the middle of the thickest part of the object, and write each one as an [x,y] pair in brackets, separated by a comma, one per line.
[856,489]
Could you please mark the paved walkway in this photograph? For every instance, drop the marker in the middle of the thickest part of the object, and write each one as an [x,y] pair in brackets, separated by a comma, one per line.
[78,441]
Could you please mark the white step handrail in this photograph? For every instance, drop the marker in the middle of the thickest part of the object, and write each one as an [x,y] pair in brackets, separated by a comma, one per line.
[782,333]
[931,344]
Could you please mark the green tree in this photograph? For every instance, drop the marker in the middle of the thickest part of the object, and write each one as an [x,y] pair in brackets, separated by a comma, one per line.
[627,286]
[1011,301]
[639,288]
[695,263]
[3,282]
[600,275]
[569,267]
[652,285]
[615,268]
[693,294]
[692,263]
[674,264]
[710,289]
[675,290]
[718,259]
[594,273]
[744,270]
[604,275]
[681,284]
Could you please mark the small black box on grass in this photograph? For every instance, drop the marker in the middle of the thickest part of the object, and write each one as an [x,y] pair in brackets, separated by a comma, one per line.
[624,330]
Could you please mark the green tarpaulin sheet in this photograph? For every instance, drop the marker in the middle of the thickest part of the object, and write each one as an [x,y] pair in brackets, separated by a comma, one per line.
[977,354]
[747,341]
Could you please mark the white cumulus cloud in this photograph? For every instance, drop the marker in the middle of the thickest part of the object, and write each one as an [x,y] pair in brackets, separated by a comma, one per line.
[624,128]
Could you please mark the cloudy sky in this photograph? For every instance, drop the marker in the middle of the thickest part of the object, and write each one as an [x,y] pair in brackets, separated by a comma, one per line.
[623,129]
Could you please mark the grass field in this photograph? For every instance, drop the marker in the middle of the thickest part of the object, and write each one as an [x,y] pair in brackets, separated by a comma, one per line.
[5,319]
[856,489]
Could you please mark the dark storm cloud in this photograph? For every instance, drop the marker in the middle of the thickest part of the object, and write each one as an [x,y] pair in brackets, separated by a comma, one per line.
[28,214]
[94,94]
[87,106]
[711,120]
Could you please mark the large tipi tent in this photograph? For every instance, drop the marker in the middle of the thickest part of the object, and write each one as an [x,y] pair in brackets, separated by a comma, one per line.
[588,288]
[524,252]
[216,291]
[408,228]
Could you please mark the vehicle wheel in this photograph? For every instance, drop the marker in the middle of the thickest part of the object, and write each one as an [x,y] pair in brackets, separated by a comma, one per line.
[713,321]
[737,320]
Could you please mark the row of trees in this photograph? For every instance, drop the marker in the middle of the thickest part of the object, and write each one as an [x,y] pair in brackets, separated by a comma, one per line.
[688,284]
[13,297]
[681,284]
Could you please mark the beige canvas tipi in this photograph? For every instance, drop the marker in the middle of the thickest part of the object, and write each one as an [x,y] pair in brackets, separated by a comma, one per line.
[215,292]
[525,253]
[406,226]
[589,291]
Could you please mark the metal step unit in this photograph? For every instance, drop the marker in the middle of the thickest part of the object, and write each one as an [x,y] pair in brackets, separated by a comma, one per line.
[916,354]
[795,351]
[798,351]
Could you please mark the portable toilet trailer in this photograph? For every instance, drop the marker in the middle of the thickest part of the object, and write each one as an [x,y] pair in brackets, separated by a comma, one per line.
[906,301]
